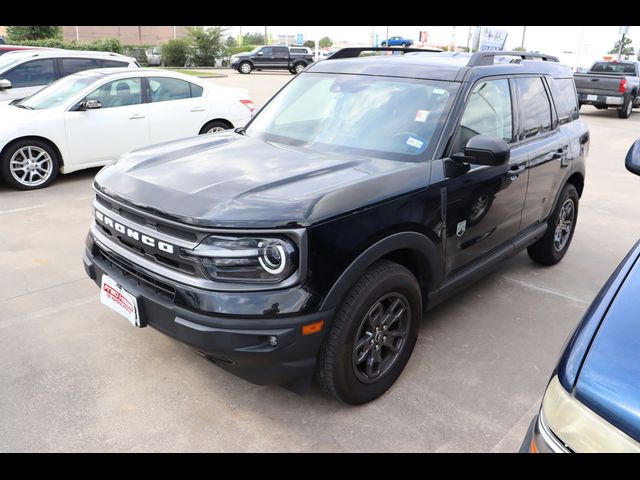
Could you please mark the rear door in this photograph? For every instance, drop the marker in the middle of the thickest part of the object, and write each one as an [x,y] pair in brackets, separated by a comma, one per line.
[546,144]
[484,205]
[177,108]
[280,57]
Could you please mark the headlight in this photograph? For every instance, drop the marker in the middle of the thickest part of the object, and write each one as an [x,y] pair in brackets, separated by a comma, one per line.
[246,259]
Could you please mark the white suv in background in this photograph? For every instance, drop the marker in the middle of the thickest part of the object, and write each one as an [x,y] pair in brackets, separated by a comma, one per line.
[25,72]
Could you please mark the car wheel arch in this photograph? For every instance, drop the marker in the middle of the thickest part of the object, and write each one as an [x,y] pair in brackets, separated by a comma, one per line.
[35,137]
[412,249]
[222,120]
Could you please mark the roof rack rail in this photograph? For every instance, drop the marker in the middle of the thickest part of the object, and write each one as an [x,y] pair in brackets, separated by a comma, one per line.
[487,58]
[352,52]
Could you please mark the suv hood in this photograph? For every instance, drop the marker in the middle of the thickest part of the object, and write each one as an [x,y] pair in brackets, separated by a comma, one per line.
[234,181]
[608,381]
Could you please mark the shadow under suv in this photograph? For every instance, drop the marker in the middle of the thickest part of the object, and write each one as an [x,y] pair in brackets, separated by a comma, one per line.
[366,191]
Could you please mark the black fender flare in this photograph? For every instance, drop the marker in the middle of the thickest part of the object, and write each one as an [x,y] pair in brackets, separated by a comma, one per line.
[417,242]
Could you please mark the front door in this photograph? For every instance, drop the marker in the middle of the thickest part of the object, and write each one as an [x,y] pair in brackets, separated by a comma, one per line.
[280,57]
[105,133]
[264,58]
[484,205]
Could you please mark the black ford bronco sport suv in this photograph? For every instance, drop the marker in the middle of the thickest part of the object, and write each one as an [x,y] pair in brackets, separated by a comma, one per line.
[365,191]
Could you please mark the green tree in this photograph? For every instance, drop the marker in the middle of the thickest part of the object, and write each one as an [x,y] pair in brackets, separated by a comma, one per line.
[253,39]
[37,32]
[174,53]
[627,49]
[231,41]
[325,42]
[207,45]
[519,49]
[309,44]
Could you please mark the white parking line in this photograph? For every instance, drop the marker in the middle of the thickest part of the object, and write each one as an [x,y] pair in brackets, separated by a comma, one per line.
[546,290]
[22,209]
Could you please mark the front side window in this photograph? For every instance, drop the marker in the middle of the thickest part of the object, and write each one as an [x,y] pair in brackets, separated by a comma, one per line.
[267,51]
[31,74]
[167,89]
[382,117]
[488,112]
[119,93]
[535,106]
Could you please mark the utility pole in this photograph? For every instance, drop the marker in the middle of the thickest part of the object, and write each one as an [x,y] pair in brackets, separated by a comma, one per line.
[579,48]
[77,35]
[174,33]
[623,31]
[524,32]
[386,38]
[266,39]
[452,44]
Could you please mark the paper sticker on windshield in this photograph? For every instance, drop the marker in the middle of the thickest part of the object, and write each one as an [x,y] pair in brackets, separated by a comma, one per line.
[414,142]
[439,91]
[421,115]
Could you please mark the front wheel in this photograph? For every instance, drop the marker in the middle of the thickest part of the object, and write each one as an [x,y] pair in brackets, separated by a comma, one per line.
[561,225]
[245,68]
[214,126]
[299,67]
[372,336]
[383,44]
[404,45]
[29,165]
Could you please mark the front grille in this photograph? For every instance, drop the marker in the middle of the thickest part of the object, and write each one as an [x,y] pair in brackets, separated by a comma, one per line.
[129,271]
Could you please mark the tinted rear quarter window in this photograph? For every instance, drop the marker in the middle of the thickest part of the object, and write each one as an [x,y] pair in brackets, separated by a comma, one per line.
[112,64]
[536,118]
[565,99]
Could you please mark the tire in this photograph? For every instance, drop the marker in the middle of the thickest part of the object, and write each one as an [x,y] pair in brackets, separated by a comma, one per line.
[245,68]
[549,250]
[34,155]
[299,67]
[627,108]
[293,72]
[383,44]
[214,126]
[378,290]
[403,45]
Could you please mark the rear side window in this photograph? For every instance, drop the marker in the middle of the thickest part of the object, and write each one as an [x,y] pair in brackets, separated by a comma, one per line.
[31,74]
[167,89]
[196,90]
[73,65]
[565,98]
[298,50]
[112,64]
[535,107]
[281,51]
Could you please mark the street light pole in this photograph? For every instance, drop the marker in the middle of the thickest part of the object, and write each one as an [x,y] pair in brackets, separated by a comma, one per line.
[524,32]
[266,39]
[621,47]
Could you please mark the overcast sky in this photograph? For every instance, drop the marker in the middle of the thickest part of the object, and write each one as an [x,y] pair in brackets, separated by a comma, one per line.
[555,40]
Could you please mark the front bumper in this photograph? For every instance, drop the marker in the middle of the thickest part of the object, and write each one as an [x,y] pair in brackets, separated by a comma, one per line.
[242,345]
[540,439]
[601,100]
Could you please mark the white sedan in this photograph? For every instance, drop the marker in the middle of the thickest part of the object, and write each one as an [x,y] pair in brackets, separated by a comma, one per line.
[90,118]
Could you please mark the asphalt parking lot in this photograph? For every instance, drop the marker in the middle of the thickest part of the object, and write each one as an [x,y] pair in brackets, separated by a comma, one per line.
[78,377]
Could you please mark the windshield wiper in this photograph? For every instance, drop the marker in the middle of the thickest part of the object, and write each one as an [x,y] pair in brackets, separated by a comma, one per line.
[26,107]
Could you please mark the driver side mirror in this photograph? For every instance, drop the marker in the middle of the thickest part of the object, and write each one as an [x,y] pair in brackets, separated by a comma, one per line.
[5,84]
[485,150]
[89,105]
[260,53]
[632,161]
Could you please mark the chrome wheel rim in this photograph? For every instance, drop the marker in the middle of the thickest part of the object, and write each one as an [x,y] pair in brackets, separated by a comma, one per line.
[564,225]
[215,129]
[381,337]
[245,67]
[629,106]
[31,166]
[299,68]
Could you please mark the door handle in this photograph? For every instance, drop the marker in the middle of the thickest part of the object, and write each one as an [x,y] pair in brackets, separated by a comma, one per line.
[515,171]
[197,109]
[136,116]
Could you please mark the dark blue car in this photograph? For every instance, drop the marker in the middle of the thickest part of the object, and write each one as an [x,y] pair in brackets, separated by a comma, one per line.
[592,402]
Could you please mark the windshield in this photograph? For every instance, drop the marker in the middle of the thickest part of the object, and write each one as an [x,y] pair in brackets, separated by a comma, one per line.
[382,117]
[57,93]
